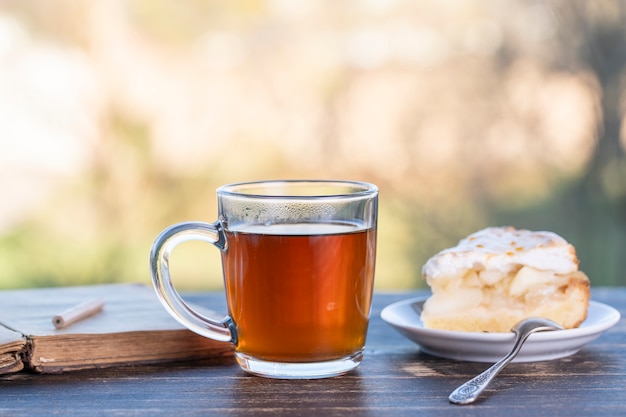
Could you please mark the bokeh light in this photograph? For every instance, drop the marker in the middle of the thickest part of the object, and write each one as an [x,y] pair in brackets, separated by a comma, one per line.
[118,118]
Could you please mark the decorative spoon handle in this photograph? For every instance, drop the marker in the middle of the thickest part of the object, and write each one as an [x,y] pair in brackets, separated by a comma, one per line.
[469,391]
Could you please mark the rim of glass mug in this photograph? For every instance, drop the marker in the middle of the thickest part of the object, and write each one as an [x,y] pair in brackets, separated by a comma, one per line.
[286,189]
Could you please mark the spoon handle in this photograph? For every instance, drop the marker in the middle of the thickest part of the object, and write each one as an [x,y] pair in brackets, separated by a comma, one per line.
[469,391]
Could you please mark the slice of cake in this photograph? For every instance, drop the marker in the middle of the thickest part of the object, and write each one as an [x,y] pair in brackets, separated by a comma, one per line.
[500,275]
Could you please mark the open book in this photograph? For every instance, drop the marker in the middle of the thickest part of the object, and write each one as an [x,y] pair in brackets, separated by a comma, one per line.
[132,328]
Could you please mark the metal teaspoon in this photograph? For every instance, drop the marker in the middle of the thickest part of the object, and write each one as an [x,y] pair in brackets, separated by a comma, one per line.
[469,391]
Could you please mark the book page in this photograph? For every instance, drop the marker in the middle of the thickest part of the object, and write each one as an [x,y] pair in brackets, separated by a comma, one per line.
[127,308]
[10,341]
[11,346]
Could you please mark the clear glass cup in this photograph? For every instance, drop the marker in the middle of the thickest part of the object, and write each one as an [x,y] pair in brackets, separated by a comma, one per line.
[298,260]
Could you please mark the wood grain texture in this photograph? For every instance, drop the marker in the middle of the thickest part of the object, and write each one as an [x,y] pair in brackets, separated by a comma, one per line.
[395,379]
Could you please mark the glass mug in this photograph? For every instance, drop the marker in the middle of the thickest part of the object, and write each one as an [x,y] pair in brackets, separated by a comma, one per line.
[298,262]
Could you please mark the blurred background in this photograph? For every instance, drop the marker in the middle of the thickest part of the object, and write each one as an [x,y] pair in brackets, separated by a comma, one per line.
[121,117]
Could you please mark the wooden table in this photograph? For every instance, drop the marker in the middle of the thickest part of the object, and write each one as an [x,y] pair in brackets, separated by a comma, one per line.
[395,379]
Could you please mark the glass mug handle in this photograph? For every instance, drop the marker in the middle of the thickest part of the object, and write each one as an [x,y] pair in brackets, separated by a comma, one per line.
[164,244]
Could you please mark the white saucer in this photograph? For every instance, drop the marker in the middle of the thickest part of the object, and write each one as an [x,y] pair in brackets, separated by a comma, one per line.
[404,316]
